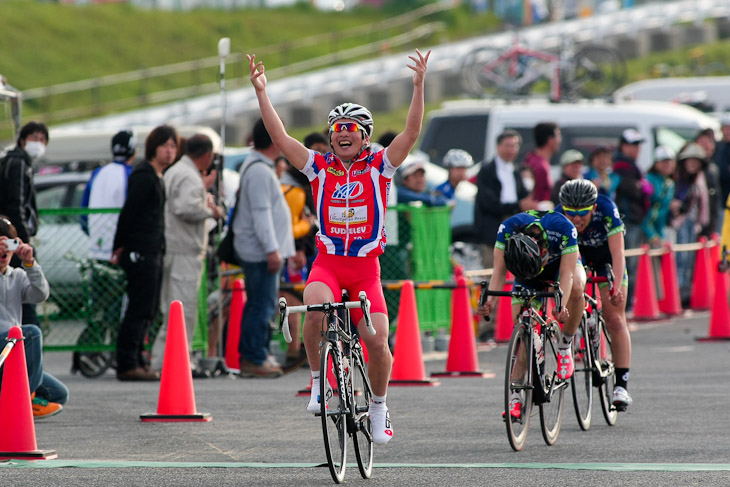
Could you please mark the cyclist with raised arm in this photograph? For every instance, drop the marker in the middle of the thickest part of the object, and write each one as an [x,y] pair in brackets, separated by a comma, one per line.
[540,247]
[350,186]
[601,242]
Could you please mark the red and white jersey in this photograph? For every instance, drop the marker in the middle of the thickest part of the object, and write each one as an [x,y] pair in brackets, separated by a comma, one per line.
[350,203]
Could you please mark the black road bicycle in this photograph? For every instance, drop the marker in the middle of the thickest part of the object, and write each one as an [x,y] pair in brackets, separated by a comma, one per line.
[592,356]
[532,365]
[344,404]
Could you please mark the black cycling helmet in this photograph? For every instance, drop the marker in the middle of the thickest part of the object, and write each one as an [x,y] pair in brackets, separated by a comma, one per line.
[578,193]
[523,256]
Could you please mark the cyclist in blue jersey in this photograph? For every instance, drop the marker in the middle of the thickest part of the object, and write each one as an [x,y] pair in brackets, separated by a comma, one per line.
[537,247]
[601,242]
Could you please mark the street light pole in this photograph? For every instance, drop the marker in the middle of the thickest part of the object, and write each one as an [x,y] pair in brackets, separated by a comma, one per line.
[224,49]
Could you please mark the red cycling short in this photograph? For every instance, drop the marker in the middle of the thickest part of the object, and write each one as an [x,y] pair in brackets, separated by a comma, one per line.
[353,274]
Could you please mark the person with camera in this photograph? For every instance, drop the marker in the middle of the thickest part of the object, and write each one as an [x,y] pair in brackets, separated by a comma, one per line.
[27,284]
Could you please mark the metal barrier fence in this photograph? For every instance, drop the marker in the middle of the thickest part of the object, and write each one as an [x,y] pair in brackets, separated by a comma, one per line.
[87,297]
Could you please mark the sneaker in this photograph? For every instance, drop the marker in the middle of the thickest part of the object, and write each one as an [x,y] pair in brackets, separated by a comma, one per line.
[621,398]
[515,409]
[314,404]
[294,363]
[382,427]
[43,408]
[266,370]
[565,364]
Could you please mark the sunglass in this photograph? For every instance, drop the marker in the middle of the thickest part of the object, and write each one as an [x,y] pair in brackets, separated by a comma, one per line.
[577,211]
[345,126]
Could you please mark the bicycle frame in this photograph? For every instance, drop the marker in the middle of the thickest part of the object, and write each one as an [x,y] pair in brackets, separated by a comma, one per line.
[513,56]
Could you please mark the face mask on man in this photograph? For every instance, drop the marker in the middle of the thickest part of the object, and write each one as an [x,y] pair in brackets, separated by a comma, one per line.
[35,149]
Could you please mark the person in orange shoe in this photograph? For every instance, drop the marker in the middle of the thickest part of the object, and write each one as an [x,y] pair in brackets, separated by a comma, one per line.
[19,285]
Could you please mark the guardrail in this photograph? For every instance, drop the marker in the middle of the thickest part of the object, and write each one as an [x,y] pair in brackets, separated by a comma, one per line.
[445,63]
[91,89]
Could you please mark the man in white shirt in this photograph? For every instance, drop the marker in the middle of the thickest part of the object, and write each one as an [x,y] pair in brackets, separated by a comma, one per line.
[500,192]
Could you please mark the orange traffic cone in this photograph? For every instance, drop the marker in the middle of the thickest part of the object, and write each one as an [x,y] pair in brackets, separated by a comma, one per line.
[462,360]
[703,288]
[720,318]
[233,335]
[646,307]
[504,325]
[670,304]
[176,401]
[408,367]
[18,437]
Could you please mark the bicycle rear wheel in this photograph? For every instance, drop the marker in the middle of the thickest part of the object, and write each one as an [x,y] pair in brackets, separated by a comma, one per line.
[334,413]
[551,410]
[604,361]
[517,385]
[363,429]
[582,380]
[596,72]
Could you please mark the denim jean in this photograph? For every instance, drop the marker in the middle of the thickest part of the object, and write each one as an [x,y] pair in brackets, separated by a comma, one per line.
[632,240]
[52,389]
[33,345]
[262,290]
[685,260]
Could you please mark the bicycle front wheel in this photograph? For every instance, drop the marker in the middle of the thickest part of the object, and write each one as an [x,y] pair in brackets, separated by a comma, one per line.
[517,387]
[551,410]
[363,429]
[604,361]
[582,380]
[595,72]
[333,412]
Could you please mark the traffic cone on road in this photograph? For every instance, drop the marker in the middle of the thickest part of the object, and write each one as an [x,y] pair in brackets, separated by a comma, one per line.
[703,286]
[670,304]
[17,440]
[646,307]
[176,401]
[462,360]
[408,367]
[504,325]
[719,328]
[233,336]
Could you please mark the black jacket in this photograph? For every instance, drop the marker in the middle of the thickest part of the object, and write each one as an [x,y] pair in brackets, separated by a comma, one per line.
[17,192]
[141,226]
[489,213]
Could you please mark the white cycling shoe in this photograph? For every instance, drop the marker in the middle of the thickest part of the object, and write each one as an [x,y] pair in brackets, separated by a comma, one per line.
[314,399]
[382,427]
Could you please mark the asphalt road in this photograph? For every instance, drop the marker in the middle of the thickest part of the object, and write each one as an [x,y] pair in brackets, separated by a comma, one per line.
[677,432]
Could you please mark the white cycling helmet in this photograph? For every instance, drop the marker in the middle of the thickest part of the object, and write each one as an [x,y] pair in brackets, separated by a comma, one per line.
[355,112]
[457,158]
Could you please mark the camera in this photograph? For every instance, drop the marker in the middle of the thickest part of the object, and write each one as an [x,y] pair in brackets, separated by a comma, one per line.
[12,243]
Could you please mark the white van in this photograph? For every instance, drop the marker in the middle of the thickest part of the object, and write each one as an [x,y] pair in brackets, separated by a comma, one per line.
[86,149]
[473,125]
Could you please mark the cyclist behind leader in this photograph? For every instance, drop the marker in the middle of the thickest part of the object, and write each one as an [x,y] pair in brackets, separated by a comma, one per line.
[601,242]
[350,186]
[538,247]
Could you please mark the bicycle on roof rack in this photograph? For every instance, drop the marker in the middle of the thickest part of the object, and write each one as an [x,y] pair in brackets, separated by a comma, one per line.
[592,71]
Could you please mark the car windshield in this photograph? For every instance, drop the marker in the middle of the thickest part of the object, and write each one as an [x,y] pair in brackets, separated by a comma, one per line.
[458,132]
